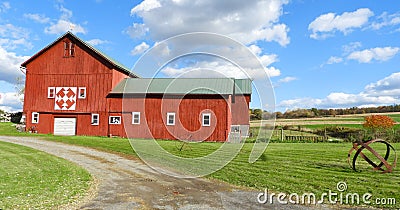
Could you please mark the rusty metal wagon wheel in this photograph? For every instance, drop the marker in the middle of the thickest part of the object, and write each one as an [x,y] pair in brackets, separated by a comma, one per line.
[180,145]
[360,146]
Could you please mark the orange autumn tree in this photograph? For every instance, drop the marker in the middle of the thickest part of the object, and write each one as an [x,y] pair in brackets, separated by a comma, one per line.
[377,123]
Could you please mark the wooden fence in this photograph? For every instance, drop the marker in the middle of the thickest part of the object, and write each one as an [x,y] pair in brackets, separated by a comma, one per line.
[305,138]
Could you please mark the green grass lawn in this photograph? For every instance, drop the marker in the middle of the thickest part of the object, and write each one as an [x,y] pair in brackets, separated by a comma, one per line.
[30,179]
[283,167]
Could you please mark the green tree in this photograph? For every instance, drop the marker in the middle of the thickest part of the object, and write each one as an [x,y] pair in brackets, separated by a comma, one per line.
[256,114]
[315,111]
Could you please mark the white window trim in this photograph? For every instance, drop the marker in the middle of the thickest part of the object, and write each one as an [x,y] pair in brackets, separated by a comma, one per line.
[79,92]
[71,49]
[170,114]
[66,49]
[234,126]
[33,117]
[209,119]
[111,123]
[133,118]
[98,119]
[49,89]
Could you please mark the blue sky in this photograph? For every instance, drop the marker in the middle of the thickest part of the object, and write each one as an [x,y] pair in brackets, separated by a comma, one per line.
[317,53]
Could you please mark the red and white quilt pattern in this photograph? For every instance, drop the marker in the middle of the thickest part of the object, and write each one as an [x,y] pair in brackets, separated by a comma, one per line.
[65,98]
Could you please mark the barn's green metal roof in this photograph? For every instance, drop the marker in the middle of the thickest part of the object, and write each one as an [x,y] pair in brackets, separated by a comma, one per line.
[182,86]
[243,86]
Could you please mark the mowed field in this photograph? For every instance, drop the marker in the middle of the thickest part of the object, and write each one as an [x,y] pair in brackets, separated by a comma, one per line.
[342,120]
[284,167]
[30,179]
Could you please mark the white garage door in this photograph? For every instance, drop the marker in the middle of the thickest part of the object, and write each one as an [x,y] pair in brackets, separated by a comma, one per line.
[64,126]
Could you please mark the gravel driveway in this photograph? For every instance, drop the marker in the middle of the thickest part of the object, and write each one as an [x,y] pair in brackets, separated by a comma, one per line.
[129,184]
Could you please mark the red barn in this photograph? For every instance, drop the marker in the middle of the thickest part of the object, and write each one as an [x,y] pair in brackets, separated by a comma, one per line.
[74,89]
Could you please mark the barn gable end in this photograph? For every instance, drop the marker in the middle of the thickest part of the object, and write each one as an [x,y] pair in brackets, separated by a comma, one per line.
[69,79]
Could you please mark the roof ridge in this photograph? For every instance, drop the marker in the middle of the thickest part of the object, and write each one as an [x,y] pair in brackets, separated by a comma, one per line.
[94,49]
[104,55]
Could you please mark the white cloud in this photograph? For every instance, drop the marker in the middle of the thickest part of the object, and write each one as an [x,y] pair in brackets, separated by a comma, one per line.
[205,70]
[284,80]
[218,69]
[351,47]
[287,79]
[95,42]
[4,6]
[64,24]
[65,13]
[334,59]
[386,20]
[300,103]
[139,49]
[12,37]
[9,65]
[383,92]
[350,52]
[14,32]
[271,71]
[146,6]
[246,21]
[12,44]
[40,18]
[10,102]
[389,86]
[137,30]
[325,25]
[378,54]
[267,60]
[255,49]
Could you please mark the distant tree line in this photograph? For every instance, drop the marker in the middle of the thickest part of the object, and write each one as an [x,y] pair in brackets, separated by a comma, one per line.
[15,117]
[258,114]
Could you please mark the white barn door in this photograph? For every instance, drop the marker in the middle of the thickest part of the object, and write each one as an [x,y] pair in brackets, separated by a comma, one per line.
[65,126]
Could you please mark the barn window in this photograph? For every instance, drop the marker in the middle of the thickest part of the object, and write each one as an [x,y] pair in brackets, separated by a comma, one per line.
[35,117]
[69,49]
[115,120]
[206,119]
[95,119]
[82,93]
[170,118]
[66,50]
[51,92]
[136,118]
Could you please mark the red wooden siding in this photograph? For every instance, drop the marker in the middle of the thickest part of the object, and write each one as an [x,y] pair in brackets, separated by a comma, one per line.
[93,71]
[84,69]
[188,117]
[117,77]
[240,110]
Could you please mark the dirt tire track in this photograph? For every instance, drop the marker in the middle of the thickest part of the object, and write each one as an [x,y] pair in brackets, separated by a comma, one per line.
[129,184]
